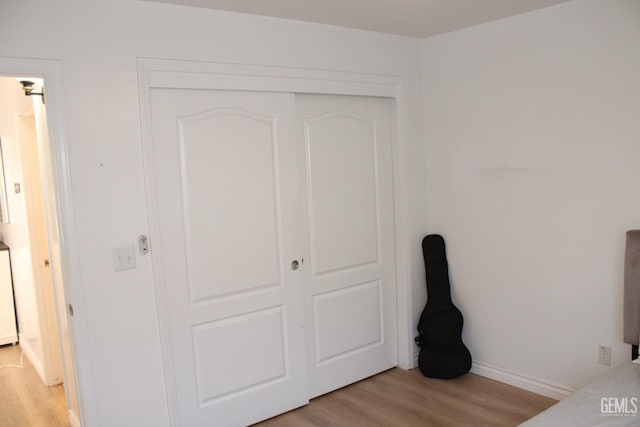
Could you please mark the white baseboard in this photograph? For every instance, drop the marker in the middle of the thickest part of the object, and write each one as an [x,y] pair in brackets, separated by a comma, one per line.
[525,382]
[536,385]
[37,364]
[73,420]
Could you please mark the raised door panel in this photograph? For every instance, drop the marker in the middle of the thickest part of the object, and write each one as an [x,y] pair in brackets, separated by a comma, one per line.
[219,350]
[230,195]
[344,145]
[347,321]
[224,172]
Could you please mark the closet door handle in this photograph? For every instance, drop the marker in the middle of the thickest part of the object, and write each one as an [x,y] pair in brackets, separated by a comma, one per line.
[295,264]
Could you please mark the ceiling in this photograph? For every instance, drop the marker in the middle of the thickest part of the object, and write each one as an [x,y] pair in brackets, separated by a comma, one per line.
[412,18]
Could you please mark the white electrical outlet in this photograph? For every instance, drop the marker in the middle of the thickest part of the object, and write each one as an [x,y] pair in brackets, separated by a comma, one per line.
[123,258]
[604,355]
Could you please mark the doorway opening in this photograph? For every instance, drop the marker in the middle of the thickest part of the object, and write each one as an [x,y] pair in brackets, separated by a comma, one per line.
[29,228]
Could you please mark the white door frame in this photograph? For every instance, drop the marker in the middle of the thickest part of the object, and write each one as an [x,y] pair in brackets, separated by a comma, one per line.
[163,73]
[51,72]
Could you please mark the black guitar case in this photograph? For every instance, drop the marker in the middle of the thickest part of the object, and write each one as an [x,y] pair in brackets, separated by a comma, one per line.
[442,352]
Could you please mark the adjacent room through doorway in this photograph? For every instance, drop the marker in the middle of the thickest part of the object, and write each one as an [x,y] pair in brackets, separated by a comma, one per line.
[29,228]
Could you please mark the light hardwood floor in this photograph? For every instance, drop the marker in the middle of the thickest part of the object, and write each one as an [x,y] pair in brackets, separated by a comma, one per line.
[406,398]
[393,398]
[24,400]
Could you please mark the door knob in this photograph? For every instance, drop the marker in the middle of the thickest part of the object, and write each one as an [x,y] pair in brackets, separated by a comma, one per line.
[295,264]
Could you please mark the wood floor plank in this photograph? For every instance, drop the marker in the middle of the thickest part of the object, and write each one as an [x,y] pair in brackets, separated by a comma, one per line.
[406,398]
[24,400]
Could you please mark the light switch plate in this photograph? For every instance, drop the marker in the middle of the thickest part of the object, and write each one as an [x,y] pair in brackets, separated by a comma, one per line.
[123,258]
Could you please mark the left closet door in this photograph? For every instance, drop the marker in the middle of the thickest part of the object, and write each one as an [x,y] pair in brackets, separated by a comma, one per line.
[225,190]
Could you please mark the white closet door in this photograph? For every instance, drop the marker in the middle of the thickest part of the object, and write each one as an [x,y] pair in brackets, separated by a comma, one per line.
[350,312]
[224,172]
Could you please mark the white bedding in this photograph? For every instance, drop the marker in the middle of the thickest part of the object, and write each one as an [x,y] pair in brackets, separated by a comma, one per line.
[611,400]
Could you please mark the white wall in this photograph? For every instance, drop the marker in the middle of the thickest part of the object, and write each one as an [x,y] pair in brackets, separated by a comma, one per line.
[533,146]
[98,43]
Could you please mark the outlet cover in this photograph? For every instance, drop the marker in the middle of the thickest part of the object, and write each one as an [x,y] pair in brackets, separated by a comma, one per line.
[604,355]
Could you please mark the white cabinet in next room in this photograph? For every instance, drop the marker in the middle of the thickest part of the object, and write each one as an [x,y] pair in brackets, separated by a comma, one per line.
[8,329]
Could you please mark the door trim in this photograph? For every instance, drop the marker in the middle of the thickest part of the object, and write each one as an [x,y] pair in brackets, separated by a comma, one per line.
[165,73]
[51,72]
[172,74]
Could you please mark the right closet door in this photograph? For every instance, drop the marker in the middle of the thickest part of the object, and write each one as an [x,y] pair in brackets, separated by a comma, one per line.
[350,292]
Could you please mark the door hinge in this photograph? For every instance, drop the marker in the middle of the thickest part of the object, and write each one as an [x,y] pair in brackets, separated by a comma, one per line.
[70,310]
